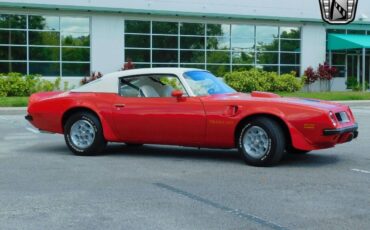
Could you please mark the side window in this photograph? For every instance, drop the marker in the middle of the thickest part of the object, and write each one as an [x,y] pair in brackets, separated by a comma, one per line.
[150,86]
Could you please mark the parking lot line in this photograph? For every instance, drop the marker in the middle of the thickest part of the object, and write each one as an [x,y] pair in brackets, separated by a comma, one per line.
[33,130]
[361,171]
[235,212]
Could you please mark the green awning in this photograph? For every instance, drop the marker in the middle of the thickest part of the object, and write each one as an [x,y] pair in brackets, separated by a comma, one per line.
[348,41]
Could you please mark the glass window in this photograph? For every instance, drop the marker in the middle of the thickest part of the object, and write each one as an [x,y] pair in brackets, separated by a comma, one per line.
[289,69]
[170,42]
[242,43]
[218,43]
[137,41]
[290,45]
[150,86]
[290,33]
[218,30]
[19,67]
[75,54]
[290,58]
[138,55]
[339,59]
[140,66]
[44,38]
[192,28]
[75,69]
[192,56]
[44,53]
[218,70]
[267,38]
[165,56]
[13,53]
[165,28]
[43,22]
[132,26]
[242,31]
[267,32]
[243,57]
[196,66]
[242,67]
[74,24]
[361,32]
[8,21]
[267,58]
[204,83]
[45,69]
[218,57]
[269,68]
[13,37]
[192,42]
[336,31]
[75,39]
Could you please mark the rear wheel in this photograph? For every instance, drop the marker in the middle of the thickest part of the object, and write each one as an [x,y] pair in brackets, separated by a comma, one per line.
[262,142]
[83,134]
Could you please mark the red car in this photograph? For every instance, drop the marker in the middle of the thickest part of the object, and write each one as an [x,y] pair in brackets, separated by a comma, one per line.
[189,107]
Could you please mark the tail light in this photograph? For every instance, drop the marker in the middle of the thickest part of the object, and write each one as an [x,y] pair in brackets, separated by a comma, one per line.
[333,119]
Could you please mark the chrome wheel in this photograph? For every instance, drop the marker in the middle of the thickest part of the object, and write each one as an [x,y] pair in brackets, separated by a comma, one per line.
[256,142]
[82,134]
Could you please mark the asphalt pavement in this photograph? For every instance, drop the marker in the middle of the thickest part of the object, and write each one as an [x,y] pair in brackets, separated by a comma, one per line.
[44,186]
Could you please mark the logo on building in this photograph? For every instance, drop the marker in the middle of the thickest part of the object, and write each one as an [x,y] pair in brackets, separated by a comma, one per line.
[338,11]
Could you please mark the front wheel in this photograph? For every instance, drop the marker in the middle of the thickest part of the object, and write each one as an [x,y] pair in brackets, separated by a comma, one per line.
[262,142]
[83,134]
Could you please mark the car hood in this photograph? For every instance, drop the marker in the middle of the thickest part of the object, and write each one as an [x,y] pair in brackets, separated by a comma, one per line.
[274,98]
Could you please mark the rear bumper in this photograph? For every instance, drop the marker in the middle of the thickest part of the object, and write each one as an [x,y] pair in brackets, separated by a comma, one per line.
[350,129]
[28,117]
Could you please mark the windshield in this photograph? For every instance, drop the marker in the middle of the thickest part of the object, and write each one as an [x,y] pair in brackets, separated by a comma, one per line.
[204,83]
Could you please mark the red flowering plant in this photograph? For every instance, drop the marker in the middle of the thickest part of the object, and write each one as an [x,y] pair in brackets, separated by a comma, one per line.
[310,75]
[326,72]
[93,76]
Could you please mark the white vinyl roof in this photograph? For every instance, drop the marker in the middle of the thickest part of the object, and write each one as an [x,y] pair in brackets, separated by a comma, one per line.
[109,83]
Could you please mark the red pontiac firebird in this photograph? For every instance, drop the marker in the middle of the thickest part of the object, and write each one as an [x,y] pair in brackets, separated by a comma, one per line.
[189,107]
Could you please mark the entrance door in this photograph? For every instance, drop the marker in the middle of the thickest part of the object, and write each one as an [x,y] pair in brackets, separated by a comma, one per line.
[354,67]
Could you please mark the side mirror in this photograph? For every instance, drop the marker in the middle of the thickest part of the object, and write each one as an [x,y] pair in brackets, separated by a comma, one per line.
[177,93]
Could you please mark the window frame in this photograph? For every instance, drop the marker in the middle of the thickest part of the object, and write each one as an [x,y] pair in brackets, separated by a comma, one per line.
[185,92]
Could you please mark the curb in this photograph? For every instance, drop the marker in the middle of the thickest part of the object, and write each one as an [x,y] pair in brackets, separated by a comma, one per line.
[13,110]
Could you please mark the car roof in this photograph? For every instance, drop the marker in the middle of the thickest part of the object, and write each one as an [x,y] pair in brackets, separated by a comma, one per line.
[109,82]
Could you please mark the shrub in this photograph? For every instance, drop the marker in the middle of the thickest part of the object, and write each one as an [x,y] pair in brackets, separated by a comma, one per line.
[256,79]
[353,84]
[14,84]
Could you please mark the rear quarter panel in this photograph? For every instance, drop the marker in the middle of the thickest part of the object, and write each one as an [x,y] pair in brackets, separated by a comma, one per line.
[48,113]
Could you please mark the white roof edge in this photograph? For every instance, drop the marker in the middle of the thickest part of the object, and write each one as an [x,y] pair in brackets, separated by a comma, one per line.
[109,82]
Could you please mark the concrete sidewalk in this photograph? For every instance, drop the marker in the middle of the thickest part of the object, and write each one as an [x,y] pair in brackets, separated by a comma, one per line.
[23,110]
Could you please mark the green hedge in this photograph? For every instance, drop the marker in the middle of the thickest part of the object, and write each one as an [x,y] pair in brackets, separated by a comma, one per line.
[259,80]
[17,85]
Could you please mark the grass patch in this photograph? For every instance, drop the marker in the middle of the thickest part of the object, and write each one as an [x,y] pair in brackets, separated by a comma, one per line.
[13,101]
[330,96]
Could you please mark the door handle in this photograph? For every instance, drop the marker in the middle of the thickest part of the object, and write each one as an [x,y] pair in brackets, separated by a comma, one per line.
[119,105]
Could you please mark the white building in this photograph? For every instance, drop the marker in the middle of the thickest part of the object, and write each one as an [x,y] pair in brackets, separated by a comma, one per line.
[72,38]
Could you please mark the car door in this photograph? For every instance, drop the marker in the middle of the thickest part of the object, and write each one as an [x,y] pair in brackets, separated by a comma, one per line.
[145,112]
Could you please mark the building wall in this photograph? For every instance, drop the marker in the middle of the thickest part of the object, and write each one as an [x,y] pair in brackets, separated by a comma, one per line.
[107,28]
[107,54]
[289,9]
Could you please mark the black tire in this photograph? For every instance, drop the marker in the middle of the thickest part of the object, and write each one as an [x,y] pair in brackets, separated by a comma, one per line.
[276,142]
[98,143]
[294,151]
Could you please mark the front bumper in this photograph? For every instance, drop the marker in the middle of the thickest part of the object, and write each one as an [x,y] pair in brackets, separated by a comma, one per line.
[349,129]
